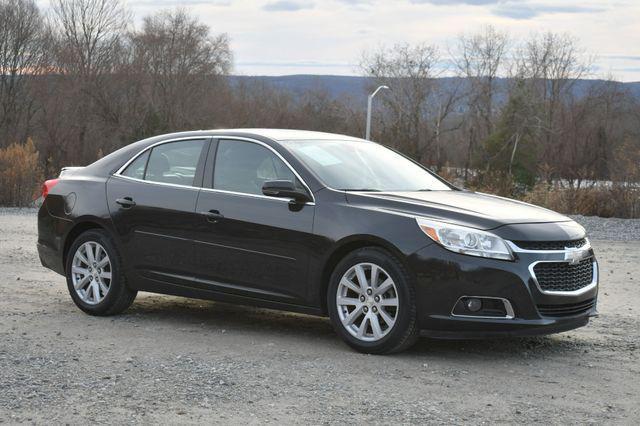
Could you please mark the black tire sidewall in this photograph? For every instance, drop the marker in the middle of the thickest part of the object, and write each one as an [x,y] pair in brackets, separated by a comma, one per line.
[115,289]
[404,286]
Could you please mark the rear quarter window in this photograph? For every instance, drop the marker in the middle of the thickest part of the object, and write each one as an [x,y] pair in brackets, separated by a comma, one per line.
[137,168]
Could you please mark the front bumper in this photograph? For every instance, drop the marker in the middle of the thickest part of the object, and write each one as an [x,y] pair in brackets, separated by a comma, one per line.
[443,277]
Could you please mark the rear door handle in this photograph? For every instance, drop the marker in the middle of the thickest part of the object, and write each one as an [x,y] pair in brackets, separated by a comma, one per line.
[213,216]
[126,202]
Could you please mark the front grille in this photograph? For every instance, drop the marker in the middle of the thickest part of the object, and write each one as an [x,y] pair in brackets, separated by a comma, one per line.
[563,276]
[550,245]
[566,310]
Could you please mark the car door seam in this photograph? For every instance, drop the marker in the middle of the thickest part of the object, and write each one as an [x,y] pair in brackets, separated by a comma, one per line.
[246,250]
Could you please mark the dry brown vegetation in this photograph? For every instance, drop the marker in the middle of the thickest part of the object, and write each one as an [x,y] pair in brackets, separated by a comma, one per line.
[20,174]
[82,81]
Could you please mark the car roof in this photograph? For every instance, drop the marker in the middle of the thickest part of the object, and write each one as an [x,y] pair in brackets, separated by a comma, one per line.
[113,161]
[286,134]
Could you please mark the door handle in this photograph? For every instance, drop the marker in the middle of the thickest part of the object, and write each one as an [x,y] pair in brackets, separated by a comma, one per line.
[213,216]
[126,202]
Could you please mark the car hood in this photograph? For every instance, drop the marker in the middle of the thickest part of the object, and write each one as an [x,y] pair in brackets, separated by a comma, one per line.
[476,210]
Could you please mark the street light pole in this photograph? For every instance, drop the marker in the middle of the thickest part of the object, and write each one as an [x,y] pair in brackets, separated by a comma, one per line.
[369,102]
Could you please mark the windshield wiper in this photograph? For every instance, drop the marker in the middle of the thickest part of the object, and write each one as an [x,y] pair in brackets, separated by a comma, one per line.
[361,190]
[425,190]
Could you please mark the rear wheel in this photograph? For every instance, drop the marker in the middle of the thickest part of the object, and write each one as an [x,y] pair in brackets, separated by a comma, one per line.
[94,275]
[371,302]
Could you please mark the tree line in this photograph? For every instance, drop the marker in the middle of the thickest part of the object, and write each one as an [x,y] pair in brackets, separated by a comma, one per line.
[77,81]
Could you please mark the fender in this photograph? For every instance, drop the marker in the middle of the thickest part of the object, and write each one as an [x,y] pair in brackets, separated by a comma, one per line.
[338,251]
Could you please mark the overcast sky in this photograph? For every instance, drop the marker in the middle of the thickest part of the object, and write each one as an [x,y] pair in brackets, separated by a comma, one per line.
[277,37]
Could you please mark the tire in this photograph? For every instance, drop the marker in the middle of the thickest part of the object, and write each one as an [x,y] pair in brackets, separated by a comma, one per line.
[118,296]
[382,338]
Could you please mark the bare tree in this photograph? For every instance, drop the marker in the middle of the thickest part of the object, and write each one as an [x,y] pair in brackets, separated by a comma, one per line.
[88,46]
[479,58]
[552,63]
[89,33]
[593,128]
[23,54]
[179,59]
[83,83]
[417,105]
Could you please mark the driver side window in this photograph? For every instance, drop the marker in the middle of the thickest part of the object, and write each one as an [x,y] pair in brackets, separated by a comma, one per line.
[244,167]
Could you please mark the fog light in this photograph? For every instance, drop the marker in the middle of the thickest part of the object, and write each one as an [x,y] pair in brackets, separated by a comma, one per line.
[483,307]
[473,304]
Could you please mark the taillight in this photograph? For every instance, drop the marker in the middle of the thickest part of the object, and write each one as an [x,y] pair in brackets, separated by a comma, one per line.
[48,186]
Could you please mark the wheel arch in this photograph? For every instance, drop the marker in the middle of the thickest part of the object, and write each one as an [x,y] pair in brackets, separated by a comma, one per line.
[341,249]
[78,229]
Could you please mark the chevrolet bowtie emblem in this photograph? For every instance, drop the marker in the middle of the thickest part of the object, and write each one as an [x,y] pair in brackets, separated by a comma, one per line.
[574,256]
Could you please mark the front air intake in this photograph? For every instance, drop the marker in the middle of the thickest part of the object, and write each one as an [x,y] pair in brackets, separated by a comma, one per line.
[563,276]
[566,310]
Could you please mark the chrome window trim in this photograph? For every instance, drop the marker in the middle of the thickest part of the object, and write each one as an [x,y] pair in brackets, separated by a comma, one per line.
[507,307]
[246,194]
[148,182]
[118,173]
[580,291]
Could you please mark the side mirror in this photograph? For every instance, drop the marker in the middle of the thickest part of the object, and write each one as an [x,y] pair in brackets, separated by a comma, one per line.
[284,189]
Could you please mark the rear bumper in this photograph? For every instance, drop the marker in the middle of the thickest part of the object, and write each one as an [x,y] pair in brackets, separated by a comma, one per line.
[50,258]
[50,241]
[443,277]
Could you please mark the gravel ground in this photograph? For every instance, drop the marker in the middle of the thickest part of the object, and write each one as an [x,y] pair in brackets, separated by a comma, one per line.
[174,360]
[613,229]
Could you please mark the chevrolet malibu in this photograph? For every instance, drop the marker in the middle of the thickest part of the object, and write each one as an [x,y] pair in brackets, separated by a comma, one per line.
[315,223]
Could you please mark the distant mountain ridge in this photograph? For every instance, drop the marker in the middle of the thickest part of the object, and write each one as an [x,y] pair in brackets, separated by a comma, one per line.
[355,88]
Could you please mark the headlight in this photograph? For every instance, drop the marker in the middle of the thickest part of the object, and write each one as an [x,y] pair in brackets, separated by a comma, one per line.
[466,240]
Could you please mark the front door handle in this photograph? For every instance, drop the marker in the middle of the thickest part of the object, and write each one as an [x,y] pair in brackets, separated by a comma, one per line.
[126,202]
[213,216]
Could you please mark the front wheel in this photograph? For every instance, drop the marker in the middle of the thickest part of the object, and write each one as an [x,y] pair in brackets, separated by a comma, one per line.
[371,302]
[94,275]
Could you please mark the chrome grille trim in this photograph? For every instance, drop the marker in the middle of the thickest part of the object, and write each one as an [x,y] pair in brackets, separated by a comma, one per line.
[560,256]
[551,245]
[585,289]
[514,247]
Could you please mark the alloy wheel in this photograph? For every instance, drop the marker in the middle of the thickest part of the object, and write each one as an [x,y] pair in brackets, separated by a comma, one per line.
[91,272]
[367,302]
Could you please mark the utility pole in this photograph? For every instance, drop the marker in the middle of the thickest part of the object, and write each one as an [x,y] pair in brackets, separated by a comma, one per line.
[369,103]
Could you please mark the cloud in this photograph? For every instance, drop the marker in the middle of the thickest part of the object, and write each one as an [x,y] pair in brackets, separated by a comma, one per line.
[521,10]
[173,3]
[518,9]
[454,2]
[334,33]
[288,5]
[624,57]
[356,2]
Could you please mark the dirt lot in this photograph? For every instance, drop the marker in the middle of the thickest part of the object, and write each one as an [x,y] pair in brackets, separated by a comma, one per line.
[169,359]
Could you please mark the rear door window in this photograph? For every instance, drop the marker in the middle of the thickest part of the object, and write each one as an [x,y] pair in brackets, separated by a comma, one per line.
[173,162]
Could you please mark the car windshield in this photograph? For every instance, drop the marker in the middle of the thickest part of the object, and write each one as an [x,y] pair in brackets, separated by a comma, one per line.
[362,166]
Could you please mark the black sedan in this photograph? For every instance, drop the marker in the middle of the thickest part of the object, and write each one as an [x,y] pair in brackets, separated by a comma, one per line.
[316,223]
